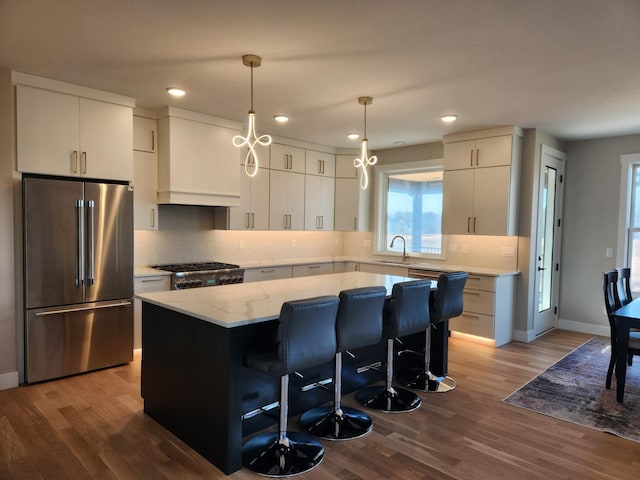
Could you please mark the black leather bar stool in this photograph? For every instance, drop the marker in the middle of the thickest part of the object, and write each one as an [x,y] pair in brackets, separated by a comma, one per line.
[406,313]
[306,337]
[359,324]
[446,303]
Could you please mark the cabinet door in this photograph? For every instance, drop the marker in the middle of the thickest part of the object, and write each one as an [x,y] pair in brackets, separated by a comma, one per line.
[253,211]
[106,140]
[296,198]
[459,155]
[145,285]
[320,163]
[345,167]
[457,201]
[346,204]
[327,199]
[285,157]
[267,273]
[493,151]
[278,200]
[145,195]
[312,202]
[47,132]
[312,269]
[491,200]
[145,131]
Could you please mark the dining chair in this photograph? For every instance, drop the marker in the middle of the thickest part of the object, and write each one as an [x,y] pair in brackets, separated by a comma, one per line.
[612,303]
[624,285]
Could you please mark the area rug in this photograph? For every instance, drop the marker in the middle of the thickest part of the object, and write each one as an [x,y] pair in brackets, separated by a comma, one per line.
[573,390]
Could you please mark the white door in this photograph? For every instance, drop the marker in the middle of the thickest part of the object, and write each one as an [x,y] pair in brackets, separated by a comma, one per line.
[548,239]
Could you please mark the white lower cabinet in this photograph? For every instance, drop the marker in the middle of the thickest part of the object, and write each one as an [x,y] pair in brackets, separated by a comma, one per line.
[160,283]
[488,304]
[312,269]
[266,273]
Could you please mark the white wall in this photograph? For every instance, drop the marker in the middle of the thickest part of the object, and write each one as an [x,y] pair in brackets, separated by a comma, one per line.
[8,361]
[591,206]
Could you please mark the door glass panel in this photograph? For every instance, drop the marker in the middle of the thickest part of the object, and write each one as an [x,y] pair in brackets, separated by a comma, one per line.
[545,258]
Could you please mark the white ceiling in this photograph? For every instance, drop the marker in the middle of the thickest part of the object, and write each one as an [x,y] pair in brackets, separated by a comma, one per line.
[568,67]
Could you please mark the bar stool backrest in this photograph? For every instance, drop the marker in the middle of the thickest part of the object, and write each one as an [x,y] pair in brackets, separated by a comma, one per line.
[447,302]
[359,322]
[408,311]
[306,333]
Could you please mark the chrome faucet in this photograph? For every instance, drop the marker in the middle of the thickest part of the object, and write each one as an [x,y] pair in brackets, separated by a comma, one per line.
[404,246]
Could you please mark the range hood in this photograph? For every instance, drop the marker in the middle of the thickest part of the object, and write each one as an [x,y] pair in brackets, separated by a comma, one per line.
[197,162]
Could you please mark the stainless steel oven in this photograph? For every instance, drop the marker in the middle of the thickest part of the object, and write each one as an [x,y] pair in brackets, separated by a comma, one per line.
[202,274]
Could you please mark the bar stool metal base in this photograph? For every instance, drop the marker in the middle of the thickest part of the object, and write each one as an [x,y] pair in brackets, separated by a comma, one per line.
[393,400]
[427,382]
[325,422]
[268,455]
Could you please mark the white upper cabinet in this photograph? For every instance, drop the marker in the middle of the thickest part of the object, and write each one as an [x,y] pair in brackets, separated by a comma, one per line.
[64,134]
[286,200]
[480,182]
[253,211]
[320,163]
[197,161]
[145,134]
[478,153]
[145,175]
[345,167]
[318,202]
[288,158]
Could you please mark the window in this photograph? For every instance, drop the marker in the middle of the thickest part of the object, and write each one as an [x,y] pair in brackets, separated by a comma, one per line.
[409,203]
[629,243]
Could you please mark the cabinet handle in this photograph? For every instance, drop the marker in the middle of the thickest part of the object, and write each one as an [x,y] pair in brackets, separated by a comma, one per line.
[476,294]
[83,162]
[311,267]
[470,316]
[474,224]
[153,217]
[74,161]
[289,221]
[151,280]
[247,223]
[468,224]
[474,278]
[253,220]
[477,157]
[471,158]
[269,270]
[322,222]
[153,140]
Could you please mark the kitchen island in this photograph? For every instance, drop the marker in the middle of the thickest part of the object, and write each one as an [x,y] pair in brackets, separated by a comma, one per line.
[194,381]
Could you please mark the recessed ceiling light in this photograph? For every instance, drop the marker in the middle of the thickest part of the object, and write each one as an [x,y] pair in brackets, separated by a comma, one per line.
[449,118]
[353,136]
[281,118]
[176,91]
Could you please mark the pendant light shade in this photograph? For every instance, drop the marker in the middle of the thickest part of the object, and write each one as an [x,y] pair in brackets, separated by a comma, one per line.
[365,160]
[251,140]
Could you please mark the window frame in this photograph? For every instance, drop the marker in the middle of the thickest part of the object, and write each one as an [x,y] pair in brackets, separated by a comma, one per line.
[625,229]
[382,173]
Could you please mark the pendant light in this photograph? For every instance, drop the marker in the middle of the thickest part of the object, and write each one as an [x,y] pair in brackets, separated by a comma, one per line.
[251,140]
[365,160]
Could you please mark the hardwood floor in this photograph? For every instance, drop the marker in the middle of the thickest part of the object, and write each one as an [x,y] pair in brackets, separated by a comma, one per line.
[93,426]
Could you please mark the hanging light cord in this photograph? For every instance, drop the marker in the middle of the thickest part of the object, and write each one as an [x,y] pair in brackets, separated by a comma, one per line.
[251,140]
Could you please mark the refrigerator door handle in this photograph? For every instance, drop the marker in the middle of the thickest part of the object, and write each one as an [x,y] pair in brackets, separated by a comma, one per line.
[80,259]
[90,242]
[58,311]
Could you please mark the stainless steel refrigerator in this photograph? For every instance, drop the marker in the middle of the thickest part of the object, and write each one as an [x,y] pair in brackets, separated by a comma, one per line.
[78,276]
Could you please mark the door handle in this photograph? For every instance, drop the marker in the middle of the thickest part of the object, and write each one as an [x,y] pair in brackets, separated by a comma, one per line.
[80,232]
[91,242]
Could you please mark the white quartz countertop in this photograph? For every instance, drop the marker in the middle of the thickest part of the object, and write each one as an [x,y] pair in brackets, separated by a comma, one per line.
[246,303]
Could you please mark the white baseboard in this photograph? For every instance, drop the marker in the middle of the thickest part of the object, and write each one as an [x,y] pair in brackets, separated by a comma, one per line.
[602,330]
[8,380]
[524,336]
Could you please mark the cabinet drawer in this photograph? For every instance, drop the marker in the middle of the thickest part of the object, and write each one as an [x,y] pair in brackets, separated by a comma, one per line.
[267,273]
[314,269]
[480,282]
[385,269]
[477,301]
[160,283]
[473,324]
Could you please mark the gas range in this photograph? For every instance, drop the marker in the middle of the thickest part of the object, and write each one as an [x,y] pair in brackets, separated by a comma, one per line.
[202,274]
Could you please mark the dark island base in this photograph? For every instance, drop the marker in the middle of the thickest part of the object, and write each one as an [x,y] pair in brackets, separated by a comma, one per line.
[194,382]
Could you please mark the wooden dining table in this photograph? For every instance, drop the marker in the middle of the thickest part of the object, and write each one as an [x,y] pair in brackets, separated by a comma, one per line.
[626,317]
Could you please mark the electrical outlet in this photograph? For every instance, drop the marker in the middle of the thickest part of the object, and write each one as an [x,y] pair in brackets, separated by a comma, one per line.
[465,249]
[508,251]
[337,242]
[241,244]
[608,252]
[293,243]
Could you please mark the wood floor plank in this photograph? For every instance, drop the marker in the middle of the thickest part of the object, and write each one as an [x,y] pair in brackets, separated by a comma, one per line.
[93,426]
